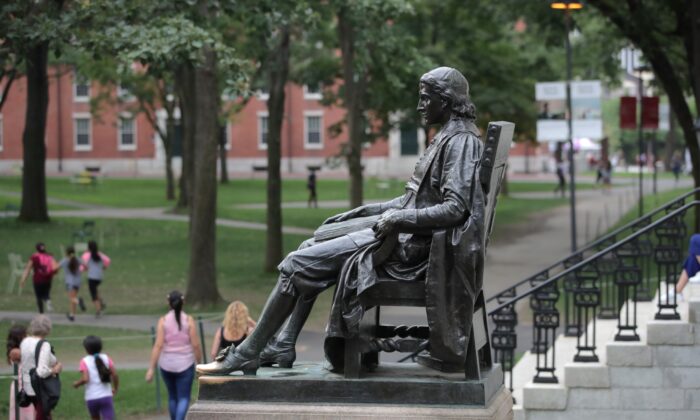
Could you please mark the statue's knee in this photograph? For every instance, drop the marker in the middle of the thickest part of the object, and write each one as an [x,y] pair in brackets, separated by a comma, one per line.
[307,243]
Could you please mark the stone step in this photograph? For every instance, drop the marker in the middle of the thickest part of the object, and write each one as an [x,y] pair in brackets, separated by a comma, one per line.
[586,375]
[544,396]
[628,353]
[679,333]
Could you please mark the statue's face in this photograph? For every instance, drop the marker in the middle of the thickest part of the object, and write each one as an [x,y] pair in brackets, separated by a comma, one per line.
[431,106]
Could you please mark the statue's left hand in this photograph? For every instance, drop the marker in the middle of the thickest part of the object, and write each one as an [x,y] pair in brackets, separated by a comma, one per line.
[387,223]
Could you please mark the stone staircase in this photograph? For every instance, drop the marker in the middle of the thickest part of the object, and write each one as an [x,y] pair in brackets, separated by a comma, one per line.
[656,378]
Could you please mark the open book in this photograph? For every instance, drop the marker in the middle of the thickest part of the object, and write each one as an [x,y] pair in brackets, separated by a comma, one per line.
[337,229]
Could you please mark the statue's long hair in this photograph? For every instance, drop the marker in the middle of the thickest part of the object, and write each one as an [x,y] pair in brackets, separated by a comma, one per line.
[452,87]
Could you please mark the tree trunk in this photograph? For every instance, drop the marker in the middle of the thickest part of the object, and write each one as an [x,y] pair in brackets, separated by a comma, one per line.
[168,148]
[203,127]
[186,91]
[278,70]
[34,208]
[354,90]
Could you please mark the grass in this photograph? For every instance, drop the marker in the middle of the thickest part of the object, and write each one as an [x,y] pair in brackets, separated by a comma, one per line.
[135,398]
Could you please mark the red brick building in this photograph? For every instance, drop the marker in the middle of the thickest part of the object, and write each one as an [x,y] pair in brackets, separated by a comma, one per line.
[119,142]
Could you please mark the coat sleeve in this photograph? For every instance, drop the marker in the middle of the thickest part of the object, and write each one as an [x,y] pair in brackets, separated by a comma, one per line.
[460,159]
[43,368]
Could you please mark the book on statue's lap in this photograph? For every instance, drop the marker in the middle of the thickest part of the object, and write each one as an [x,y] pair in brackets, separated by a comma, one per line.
[338,229]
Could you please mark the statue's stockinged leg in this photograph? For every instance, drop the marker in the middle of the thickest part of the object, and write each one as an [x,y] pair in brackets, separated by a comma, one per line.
[246,357]
[281,349]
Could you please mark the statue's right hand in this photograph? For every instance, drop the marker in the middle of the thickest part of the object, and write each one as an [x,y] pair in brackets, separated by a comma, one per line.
[350,214]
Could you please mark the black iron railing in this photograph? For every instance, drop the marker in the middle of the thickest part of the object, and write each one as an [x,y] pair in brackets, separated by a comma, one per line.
[622,270]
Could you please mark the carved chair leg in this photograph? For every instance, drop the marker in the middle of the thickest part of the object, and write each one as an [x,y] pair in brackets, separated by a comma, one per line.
[472,370]
[352,358]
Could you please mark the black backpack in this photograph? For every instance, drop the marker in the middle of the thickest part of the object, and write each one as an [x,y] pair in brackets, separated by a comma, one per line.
[47,390]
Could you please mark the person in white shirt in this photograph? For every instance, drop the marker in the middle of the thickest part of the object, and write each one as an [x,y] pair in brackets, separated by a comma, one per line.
[100,380]
[47,365]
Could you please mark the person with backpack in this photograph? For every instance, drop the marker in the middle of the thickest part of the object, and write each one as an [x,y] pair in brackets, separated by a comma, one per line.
[44,267]
[39,366]
[72,276]
[96,263]
[100,379]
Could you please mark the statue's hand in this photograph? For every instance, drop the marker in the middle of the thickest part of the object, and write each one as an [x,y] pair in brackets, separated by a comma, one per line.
[387,223]
[350,214]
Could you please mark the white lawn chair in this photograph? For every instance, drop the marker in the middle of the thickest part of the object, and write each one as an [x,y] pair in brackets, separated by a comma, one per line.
[16,270]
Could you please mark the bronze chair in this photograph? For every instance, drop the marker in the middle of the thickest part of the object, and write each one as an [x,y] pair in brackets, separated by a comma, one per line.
[363,350]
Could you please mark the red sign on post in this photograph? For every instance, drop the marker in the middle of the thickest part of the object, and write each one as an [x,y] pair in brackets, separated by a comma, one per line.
[650,112]
[628,112]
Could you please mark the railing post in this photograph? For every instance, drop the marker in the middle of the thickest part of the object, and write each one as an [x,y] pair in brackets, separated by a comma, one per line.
[571,327]
[546,323]
[537,347]
[645,251]
[156,373]
[586,300]
[609,305]
[504,339]
[15,372]
[668,256]
[201,338]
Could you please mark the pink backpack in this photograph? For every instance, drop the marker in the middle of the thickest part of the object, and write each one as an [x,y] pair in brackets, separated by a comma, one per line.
[43,267]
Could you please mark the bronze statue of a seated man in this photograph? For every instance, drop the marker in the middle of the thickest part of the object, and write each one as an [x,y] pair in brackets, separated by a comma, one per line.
[439,223]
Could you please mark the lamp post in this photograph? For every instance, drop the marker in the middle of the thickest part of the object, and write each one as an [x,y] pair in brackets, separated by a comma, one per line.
[640,137]
[567,7]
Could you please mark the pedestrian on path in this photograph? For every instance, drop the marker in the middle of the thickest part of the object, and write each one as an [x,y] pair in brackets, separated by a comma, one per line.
[234,329]
[561,170]
[43,266]
[45,362]
[100,379]
[96,263]
[176,350]
[311,186]
[14,356]
[72,276]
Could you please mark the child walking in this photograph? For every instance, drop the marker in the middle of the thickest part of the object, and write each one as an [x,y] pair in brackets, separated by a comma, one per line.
[100,379]
[96,263]
[72,268]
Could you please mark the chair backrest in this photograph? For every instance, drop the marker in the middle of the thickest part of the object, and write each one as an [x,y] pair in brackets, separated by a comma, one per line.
[493,167]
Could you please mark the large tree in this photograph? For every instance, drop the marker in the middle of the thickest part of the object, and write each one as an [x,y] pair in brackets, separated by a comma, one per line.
[668,34]
[28,30]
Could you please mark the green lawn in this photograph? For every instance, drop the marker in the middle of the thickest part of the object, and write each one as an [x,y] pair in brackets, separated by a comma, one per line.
[135,398]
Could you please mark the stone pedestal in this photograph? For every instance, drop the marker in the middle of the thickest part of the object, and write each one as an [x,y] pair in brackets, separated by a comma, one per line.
[392,391]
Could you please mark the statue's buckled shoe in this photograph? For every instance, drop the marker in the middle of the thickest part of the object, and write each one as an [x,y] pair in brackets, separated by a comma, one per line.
[232,361]
[273,354]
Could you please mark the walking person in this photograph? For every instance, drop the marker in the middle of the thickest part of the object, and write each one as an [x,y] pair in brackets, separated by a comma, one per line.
[72,276]
[14,356]
[176,350]
[43,266]
[561,170]
[234,329]
[676,165]
[100,379]
[96,263]
[45,363]
[311,186]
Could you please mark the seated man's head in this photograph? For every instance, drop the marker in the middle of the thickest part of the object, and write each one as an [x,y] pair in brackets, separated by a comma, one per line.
[444,93]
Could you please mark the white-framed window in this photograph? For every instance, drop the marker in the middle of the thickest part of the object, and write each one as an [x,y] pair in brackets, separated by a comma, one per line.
[126,132]
[124,93]
[313,129]
[312,92]
[262,130]
[82,132]
[2,134]
[263,94]
[81,88]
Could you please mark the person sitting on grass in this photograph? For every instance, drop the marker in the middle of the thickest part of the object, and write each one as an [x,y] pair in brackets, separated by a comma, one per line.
[96,263]
[234,329]
[72,276]
[691,266]
[100,379]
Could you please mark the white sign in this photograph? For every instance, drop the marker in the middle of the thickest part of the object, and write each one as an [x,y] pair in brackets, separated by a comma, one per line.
[585,106]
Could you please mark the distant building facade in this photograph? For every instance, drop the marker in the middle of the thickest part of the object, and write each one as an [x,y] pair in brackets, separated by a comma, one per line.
[120,142]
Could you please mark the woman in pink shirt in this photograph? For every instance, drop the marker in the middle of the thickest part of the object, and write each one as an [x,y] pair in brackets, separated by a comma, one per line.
[176,350]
